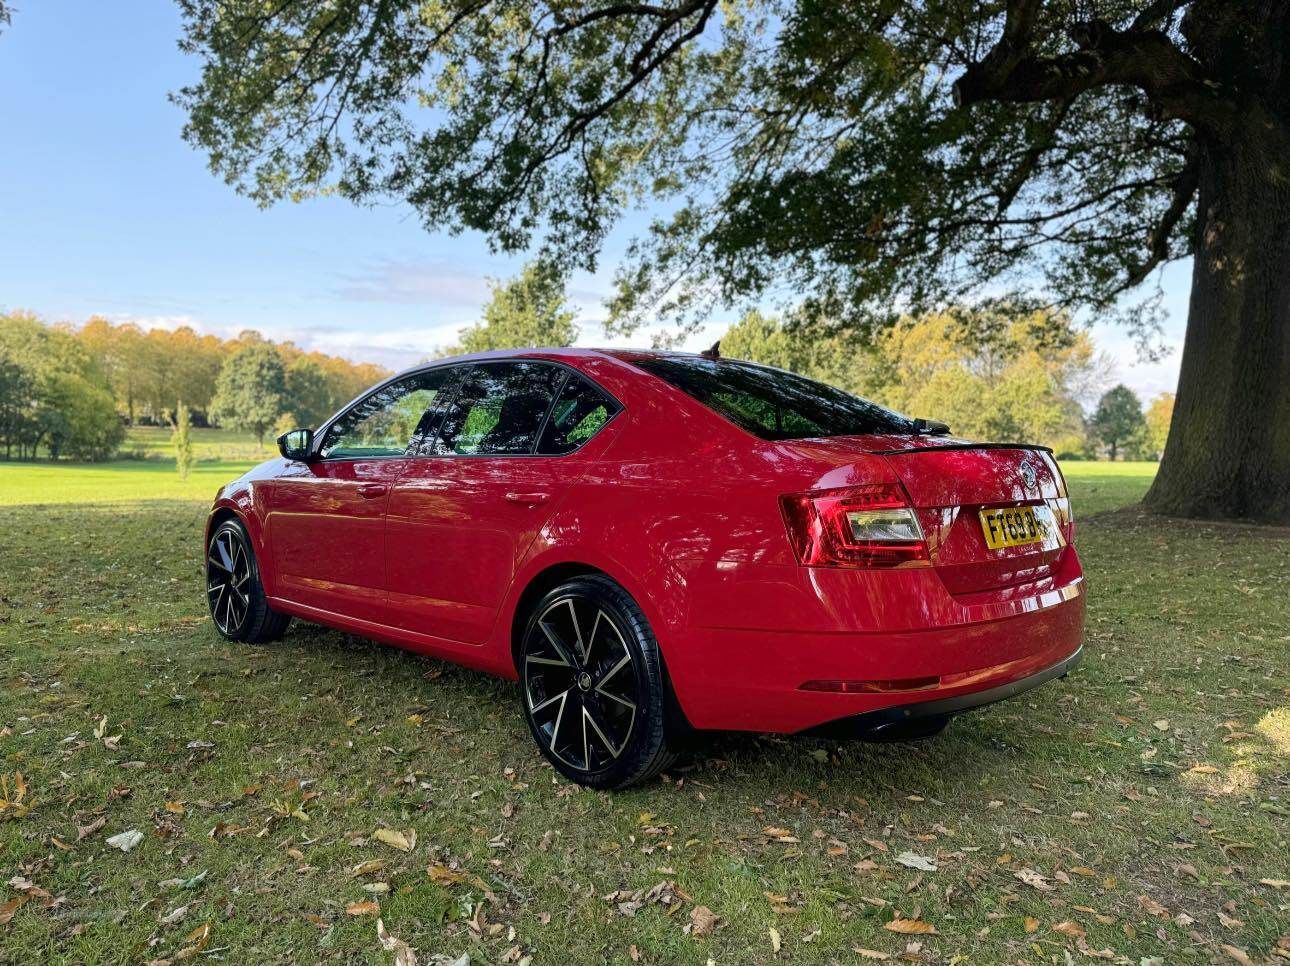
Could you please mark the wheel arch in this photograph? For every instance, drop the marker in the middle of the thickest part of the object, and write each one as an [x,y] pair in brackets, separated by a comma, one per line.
[550,577]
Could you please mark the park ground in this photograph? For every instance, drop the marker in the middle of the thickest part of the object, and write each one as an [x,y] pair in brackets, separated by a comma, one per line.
[289,796]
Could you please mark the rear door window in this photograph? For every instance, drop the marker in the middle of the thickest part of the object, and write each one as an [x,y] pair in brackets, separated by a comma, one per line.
[499,409]
[579,413]
[772,403]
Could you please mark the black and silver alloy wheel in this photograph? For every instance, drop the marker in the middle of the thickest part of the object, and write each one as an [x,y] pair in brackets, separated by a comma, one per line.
[228,572]
[592,682]
[236,597]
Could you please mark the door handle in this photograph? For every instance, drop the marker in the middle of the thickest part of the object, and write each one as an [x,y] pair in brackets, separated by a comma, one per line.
[370,491]
[528,499]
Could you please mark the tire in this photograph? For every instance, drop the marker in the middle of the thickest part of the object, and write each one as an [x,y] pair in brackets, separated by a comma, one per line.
[588,657]
[234,592]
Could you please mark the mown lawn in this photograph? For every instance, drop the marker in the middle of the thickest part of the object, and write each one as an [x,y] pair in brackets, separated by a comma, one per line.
[153,443]
[1140,809]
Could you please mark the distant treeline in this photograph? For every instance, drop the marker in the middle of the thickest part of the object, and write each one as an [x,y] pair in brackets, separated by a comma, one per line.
[68,391]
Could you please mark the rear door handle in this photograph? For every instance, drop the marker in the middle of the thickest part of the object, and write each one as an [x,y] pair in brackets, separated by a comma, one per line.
[370,491]
[528,499]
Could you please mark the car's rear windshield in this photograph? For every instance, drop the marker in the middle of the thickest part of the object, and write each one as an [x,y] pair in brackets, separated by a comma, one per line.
[772,403]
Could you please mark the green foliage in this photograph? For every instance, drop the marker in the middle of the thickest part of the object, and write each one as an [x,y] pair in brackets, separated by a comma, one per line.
[52,395]
[854,151]
[182,441]
[1160,414]
[310,398]
[1118,421]
[529,310]
[251,392]
[1000,373]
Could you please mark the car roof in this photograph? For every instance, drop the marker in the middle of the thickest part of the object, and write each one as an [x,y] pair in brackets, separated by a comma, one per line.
[556,353]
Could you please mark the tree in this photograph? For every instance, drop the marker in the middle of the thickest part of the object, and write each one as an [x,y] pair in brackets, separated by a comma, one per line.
[1118,419]
[870,153]
[1159,415]
[529,310]
[182,440]
[60,397]
[250,393]
[803,345]
[309,396]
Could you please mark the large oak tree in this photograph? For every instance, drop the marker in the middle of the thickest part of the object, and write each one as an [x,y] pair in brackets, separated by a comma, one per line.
[880,155]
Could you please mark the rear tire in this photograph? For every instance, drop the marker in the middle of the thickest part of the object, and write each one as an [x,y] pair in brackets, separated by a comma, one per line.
[593,687]
[234,593]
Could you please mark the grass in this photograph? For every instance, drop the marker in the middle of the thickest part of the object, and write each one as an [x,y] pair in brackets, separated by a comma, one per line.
[1145,797]
[153,443]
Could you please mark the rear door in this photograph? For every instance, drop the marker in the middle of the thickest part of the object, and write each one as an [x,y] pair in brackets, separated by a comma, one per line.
[470,503]
[327,518]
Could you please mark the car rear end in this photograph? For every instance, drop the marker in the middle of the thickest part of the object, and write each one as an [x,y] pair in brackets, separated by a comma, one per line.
[874,584]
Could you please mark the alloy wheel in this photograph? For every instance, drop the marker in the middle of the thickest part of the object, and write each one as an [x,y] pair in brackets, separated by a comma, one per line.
[580,684]
[228,571]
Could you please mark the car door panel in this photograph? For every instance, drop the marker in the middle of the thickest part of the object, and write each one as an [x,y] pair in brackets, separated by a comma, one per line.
[460,518]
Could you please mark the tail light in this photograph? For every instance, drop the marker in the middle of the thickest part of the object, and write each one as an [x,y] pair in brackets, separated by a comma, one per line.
[855,526]
[1061,506]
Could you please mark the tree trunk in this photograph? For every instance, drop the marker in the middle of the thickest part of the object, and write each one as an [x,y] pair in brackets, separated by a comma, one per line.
[1228,451]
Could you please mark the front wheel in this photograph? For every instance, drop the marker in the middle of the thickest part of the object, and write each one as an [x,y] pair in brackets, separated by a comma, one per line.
[234,592]
[593,685]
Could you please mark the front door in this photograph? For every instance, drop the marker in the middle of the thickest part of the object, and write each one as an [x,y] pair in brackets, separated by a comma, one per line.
[464,513]
[327,519]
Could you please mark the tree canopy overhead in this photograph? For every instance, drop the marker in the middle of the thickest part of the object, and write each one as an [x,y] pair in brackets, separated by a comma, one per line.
[874,155]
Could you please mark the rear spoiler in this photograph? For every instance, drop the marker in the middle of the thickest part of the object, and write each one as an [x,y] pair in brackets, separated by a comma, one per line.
[941,447]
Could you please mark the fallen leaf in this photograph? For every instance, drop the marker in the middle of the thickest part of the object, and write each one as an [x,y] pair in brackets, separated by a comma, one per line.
[83,830]
[443,875]
[775,942]
[910,927]
[364,908]
[1152,907]
[1033,879]
[1070,929]
[869,953]
[404,955]
[12,906]
[367,868]
[126,840]
[1030,924]
[1162,724]
[1276,883]
[703,920]
[913,860]
[396,839]
[1240,955]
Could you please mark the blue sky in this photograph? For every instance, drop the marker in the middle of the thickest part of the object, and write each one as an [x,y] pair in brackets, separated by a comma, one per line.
[105,210]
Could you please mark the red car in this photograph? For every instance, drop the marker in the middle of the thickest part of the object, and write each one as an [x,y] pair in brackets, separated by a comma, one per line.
[652,542]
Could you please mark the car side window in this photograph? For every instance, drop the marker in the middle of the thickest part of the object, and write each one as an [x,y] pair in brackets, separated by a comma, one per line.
[578,414]
[499,409]
[384,423]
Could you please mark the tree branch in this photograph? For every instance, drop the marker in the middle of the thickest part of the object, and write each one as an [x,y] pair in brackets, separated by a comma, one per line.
[1147,59]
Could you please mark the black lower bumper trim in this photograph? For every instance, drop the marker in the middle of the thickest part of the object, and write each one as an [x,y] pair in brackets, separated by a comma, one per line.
[923,718]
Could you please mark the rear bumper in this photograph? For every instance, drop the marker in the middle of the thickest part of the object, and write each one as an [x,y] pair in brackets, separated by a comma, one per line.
[895,721]
[752,679]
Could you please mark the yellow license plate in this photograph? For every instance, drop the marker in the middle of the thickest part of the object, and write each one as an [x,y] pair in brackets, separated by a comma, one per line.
[1013,527]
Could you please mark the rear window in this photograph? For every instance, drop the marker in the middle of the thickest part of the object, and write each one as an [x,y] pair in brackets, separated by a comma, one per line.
[772,403]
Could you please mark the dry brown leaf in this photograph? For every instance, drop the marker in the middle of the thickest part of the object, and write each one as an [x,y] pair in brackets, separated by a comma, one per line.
[1152,907]
[1036,881]
[404,955]
[396,839]
[365,908]
[443,875]
[83,830]
[1276,883]
[1070,929]
[703,920]
[1031,924]
[8,910]
[775,942]
[869,953]
[910,927]
[1238,954]
[367,868]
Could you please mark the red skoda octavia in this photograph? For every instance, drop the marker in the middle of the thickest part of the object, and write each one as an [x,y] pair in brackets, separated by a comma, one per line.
[653,542]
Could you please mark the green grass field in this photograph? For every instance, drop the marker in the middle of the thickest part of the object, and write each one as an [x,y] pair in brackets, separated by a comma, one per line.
[1137,812]
[153,443]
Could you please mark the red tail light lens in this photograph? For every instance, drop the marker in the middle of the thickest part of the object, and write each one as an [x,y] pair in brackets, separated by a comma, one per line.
[855,526]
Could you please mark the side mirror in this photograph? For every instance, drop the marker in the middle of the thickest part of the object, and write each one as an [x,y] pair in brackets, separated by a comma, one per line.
[297,444]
